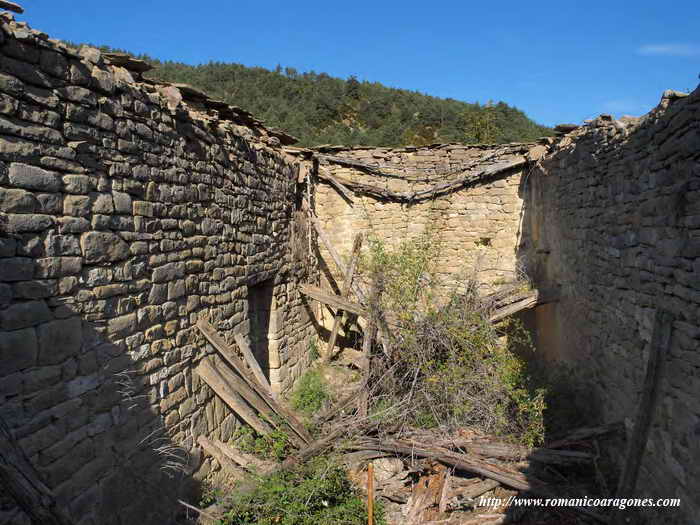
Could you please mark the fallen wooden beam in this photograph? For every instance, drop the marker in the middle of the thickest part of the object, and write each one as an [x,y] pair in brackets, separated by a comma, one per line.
[434,191]
[220,344]
[656,366]
[330,299]
[586,433]
[252,362]
[228,395]
[347,284]
[524,302]
[357,288]
[213,449]
[11,6]
[249,462]
[21,482]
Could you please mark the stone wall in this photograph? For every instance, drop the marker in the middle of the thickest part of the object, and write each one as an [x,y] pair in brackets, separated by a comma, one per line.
[477,225]
[130,210]
[614,214]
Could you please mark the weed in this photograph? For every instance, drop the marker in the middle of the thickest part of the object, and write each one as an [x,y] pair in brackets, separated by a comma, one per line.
[274,444]
[313,350]
[450,366]
[315,493]
[310,393]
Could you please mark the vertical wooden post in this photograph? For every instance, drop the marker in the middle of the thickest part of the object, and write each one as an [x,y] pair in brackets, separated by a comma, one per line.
[347,284]
[370,493]
[660,342]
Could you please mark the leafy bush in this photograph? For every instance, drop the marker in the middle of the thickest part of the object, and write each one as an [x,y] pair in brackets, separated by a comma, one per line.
[274,444]
[450,367]
[310,393]
[315,493]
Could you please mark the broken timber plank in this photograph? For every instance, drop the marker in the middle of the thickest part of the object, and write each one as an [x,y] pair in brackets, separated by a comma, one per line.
[235,402]
[22,483]
[534,298]
[247,461]
[656,366]
[359,290]
[252,362]
[11,6]
[357,244]
[330,299]
[213,449]
[220,344]
[256,401]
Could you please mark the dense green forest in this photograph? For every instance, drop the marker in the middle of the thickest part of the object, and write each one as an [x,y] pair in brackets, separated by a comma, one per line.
[319,109]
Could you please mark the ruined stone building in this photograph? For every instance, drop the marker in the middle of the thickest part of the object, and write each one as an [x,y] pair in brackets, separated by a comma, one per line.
[131,209]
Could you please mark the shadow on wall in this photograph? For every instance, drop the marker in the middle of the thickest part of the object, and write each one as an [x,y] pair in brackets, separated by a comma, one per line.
[82,413]
[610,215]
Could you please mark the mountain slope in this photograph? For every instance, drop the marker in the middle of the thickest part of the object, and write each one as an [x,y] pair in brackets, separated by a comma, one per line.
[320,109]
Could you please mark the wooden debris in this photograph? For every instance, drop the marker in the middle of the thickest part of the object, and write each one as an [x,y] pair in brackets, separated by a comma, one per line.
[249,462]
[251,361]
[357,244]
[11,6]
[215,451]
[430,193]
[586,433]
[20,481]
[218,342]
[357,287]
[229,396]
[660,343]
[333,300]
[522,302]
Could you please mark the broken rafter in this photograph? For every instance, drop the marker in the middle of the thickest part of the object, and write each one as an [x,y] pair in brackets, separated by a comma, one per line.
[333,300]
[11,6]
[429,193]
[228,395]
[357,244]
[521,302]
[252,362]
[356,287]
[220,344]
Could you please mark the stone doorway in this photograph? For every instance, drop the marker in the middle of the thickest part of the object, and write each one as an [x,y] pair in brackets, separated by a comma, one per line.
[261,305]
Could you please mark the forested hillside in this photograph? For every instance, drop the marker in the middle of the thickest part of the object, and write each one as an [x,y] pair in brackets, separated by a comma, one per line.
[319,109]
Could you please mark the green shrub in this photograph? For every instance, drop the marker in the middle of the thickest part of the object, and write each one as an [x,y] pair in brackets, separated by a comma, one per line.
[310,393]
[451,367]
[316,493]
[275,444]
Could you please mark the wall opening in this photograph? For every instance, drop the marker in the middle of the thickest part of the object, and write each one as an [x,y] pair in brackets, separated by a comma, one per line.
[260,308]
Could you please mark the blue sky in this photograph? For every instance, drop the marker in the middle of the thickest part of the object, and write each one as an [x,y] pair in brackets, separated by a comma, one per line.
[561,61]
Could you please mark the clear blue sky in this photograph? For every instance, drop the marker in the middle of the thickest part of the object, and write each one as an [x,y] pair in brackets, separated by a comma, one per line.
[561,61]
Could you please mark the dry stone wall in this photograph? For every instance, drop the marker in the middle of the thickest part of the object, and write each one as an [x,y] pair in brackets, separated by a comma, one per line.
[477,225]
[614,214]
[130,210]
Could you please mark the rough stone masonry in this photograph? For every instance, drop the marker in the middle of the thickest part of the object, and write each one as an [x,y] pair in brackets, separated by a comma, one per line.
[130,210]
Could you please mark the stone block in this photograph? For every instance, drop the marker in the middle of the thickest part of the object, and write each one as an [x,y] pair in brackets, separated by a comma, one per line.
[17,201]
[8,247]
[33,178]
[122,326]
[59,340]
[52,267]
[16,269]
[24,315]
[18,350]
[28,223]
[40,289]
[103,247]
[76,205]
